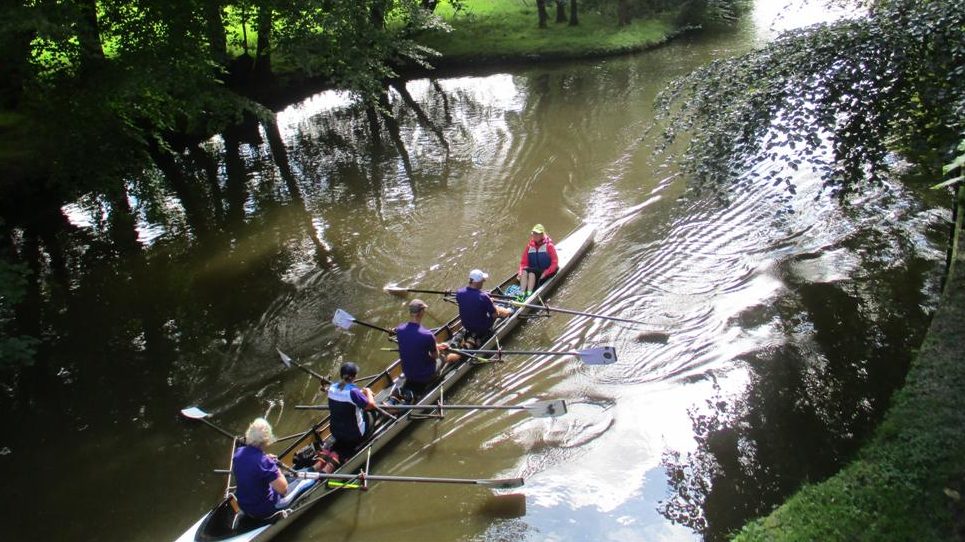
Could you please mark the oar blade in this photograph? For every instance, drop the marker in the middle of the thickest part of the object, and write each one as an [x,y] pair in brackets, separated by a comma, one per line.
[342,319]
[604,355]
[501,483]
[284,358]
[658,337]
[547,409]
[395,290]
[194,413]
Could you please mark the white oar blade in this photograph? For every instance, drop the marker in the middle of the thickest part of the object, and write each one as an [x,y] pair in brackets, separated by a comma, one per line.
[547,409]
[395,290]
[284,358]
[194,413]
[604,355]
[342,319]
[501,483]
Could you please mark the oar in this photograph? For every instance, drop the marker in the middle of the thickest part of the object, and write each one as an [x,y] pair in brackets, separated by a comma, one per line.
[396,290]
[603,355]
[578,313]
[195,413]
[344,320]
[542,409]
[289,362]
[650,336]
[496,483]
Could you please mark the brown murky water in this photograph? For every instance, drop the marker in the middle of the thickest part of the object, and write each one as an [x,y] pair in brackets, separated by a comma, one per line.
[558,145]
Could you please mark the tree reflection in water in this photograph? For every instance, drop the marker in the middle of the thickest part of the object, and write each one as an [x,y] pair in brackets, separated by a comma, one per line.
[810,402]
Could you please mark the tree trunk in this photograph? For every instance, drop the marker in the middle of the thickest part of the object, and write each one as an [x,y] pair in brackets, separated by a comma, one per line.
[377,14]
[142,292]
[445,100]
[541,10]
[623,13]
[560,11]
[392,125]
[209,168]
[89,36]
[14,66]
[263,51]
[196,208]
[399,86]
[429,5]
[214,28]
[574,20]
[375,130]
[236,190]
[280,155]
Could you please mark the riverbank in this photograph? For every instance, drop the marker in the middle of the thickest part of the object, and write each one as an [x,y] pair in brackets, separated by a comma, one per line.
[908,482]
[505,32]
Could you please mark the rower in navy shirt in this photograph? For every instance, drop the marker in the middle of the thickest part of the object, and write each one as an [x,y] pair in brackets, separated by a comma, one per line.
[418,349]
[348,403]
[477,311]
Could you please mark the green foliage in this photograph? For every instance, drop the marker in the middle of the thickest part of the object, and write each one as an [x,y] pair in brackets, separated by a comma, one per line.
[957,164]
[15,350]
[712,12]
[500,29]
[892,81]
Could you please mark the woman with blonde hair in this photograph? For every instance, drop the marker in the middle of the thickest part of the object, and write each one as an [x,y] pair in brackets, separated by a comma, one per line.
[260,483]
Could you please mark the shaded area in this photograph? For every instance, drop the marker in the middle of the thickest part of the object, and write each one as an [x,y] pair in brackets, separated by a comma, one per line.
[813,399]
[907,484]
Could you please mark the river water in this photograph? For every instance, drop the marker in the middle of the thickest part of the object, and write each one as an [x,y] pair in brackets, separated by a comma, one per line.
[787,308]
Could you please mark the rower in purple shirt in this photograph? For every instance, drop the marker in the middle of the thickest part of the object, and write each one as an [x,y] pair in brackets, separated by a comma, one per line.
[418,350]
[477,310]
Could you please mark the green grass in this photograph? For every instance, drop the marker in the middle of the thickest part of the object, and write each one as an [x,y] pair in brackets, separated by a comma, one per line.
[507,29]
[908,482]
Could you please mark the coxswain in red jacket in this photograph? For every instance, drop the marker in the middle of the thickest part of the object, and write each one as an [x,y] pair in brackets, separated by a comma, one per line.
[539,261]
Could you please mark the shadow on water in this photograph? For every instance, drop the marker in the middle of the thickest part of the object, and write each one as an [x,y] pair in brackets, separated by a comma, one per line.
[177,292]
[813,398]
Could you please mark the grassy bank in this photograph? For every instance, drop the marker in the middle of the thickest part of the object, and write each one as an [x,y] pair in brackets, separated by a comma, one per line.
[908,482]
[490,31]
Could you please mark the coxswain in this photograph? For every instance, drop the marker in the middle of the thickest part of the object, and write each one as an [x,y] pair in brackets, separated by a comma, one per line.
[539,262]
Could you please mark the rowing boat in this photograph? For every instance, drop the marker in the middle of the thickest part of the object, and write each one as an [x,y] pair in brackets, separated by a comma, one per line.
[224,523]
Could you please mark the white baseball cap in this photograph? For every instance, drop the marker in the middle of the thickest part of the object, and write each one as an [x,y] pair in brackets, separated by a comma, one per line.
[478,275]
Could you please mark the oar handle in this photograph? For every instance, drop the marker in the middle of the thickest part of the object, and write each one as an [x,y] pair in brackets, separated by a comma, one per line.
[324,379]
[577,313]
[502,483]
[325,407]
[373,326]
[218,429]
[518,352]
[444,292]
[418,291]
[429,407]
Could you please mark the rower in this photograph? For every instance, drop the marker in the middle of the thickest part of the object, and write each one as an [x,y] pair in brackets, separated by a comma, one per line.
[347,402]
[477,311]
[418,350]
[539,262]
[262,490]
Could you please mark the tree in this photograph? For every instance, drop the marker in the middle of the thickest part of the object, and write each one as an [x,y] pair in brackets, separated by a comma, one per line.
[853,98]
[623,12]
[541,12]
[891,82]
[574,20]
